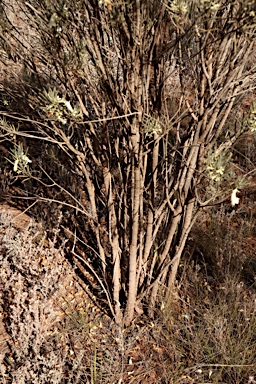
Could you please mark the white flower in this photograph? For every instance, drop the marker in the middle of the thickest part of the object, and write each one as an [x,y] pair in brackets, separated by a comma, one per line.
[26,159]
[234,198]
[68,105]
[15,166]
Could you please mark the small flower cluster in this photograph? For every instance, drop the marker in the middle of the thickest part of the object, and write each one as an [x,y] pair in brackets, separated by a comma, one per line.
[178,6]
[151,126]
[214,5]
[59,108]
[20,159]
[216,165]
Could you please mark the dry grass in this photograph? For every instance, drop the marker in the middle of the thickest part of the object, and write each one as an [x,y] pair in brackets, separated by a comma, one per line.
[214,321]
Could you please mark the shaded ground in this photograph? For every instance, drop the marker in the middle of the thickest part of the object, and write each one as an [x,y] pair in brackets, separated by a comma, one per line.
[204,334]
